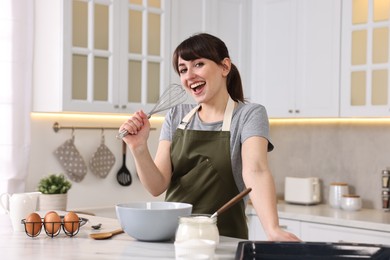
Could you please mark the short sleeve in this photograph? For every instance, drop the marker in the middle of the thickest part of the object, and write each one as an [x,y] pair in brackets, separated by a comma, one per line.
[255,123]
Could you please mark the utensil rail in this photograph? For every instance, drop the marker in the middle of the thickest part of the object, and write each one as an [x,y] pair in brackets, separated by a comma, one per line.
[57,127]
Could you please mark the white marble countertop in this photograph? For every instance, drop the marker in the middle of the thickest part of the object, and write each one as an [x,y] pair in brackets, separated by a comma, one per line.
[17,245]
[370,219]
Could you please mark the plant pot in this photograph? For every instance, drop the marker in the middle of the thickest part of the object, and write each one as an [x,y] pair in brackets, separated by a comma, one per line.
[53,201]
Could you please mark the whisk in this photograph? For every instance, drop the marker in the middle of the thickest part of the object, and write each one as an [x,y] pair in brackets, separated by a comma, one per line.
[172,96]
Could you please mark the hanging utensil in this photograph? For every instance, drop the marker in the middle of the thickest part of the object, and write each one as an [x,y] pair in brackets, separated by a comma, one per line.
[231,202]
[123,176]
[172,96]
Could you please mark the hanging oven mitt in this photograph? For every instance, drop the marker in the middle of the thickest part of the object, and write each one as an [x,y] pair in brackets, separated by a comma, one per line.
[102,160]
[71,160]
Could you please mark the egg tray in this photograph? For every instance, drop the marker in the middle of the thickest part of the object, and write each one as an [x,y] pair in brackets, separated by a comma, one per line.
[35,233]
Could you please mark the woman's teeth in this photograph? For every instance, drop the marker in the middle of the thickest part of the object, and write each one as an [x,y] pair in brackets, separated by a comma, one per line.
[197,85]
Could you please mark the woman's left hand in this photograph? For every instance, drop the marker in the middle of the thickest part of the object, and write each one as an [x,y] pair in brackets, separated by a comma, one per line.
[282,235]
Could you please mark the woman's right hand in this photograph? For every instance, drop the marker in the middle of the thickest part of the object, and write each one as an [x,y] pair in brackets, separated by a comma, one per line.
[138,127]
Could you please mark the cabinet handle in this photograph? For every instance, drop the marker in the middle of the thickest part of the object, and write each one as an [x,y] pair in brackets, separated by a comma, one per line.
[297,111]
[116,106]
[283,227]
[123,106]
[290,111]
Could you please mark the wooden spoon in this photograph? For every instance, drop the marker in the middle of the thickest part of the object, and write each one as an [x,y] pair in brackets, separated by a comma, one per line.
[106,235]
[231,202]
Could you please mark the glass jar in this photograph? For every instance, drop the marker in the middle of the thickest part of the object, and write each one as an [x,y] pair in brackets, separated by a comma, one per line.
[386,200]
[197,226]
[385,179]
[196,237]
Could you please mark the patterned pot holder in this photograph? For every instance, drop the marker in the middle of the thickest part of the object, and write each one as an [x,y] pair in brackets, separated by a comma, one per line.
[102,160]
[71,160]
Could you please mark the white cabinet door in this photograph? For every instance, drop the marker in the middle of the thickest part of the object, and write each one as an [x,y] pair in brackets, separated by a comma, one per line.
[100,56]
[313,232]
[227,19]
[295,63]
[49,59]
[365,87]
[255,230]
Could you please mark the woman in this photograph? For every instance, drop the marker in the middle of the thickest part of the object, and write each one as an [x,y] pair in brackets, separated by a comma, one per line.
[210,152]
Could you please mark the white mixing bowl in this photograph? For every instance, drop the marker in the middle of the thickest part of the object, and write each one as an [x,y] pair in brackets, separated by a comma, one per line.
[151,221]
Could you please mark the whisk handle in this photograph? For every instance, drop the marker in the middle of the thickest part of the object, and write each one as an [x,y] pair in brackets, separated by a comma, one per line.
[124,132]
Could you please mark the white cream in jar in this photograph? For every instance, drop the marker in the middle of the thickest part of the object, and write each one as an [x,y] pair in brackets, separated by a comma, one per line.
[196,235]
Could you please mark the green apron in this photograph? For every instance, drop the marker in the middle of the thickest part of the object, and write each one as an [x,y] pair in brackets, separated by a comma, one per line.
[202,173]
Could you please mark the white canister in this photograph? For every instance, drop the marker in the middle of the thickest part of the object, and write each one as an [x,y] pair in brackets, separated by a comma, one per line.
[196,237]
[351,202]
[336,191]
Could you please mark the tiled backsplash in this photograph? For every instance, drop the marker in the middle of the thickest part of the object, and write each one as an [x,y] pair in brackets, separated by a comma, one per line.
[355,153]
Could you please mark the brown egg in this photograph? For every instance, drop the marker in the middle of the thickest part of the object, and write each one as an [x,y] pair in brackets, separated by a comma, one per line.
[52,222]
[71,222]
[33,224]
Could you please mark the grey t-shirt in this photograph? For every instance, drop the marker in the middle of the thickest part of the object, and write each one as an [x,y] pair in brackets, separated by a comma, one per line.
[249,119]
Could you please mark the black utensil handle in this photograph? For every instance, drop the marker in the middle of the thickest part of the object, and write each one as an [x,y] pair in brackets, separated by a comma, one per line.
[124,147]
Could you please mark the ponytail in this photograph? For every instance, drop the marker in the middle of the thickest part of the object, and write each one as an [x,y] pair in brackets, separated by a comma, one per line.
[234,84]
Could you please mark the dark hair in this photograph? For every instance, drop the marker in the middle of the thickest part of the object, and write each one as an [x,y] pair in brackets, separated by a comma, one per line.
[207,46]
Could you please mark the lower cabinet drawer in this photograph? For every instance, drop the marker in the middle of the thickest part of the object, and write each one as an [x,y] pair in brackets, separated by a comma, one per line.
[313,232]
[318,232]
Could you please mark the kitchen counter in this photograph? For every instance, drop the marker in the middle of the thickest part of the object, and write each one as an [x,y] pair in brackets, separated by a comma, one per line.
[17,245]
[369,219]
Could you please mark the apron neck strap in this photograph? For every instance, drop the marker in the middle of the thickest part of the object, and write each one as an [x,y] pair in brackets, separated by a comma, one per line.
[227,118]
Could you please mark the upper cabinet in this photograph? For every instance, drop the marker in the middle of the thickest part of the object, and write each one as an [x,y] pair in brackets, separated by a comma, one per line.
[365,58]
[227,19]
[296,57]
[317,58]
[100,56]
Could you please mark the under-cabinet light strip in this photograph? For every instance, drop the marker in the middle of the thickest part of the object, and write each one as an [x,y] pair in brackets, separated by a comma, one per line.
[329,121]
[273,121]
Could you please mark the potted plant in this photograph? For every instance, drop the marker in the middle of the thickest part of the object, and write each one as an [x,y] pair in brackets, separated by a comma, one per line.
[54,189]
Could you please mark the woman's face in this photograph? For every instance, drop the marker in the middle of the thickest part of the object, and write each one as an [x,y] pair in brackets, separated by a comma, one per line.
[203,78]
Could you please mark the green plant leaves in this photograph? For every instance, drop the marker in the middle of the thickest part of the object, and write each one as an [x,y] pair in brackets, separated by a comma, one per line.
[54,184]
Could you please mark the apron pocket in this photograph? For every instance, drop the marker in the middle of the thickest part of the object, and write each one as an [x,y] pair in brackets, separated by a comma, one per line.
[197,185]
[204,174]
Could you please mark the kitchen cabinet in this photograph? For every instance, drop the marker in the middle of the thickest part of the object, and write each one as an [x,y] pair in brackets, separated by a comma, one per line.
[315,232]
[100,56]
[227,19]
[255,230]
[329,233]
[295,57]
[365,89]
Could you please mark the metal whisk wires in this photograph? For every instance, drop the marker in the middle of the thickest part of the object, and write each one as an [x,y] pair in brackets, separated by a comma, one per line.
[174,95]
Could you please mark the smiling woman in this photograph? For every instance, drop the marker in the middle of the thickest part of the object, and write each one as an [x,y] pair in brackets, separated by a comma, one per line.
[16,59]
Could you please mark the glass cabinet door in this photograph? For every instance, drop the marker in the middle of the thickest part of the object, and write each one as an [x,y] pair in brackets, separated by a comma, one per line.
[365,63]
[92,51]
[144,55]
[116,54]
